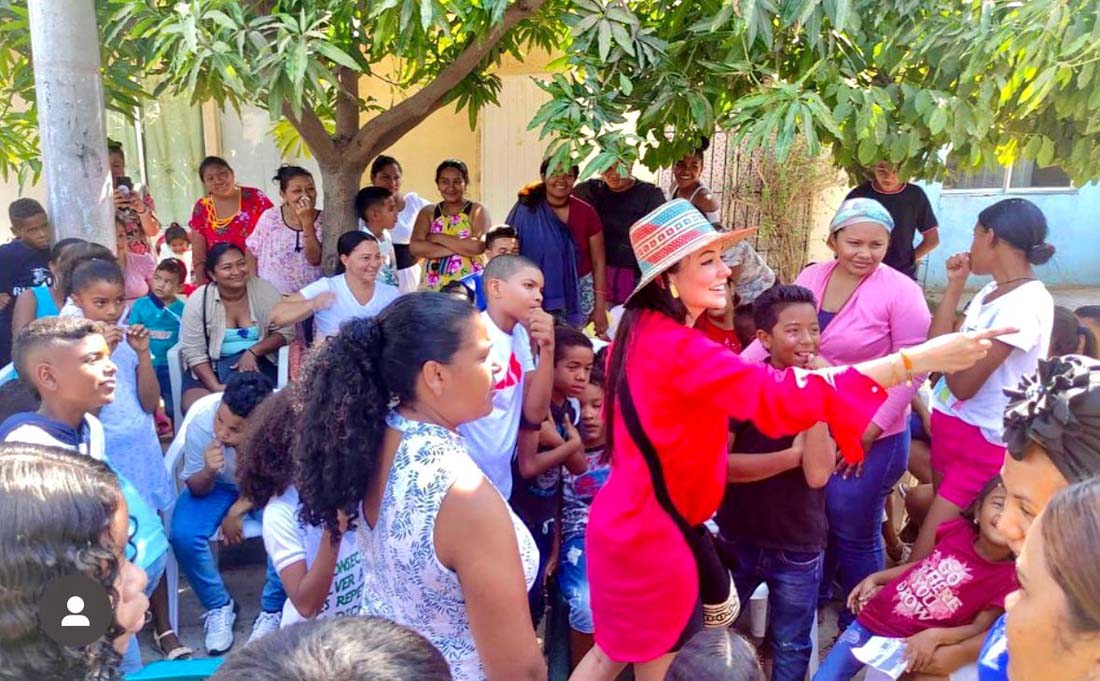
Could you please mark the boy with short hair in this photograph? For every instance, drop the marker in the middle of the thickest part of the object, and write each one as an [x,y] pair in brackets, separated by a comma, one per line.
[211,501]
[160,312]
[377,211]
[773,514]
[501,240]
[68,364]
[24,263]
[542,454]
[521,395]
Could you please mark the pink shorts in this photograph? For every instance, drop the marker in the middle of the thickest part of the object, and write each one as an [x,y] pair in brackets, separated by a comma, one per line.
[965,459]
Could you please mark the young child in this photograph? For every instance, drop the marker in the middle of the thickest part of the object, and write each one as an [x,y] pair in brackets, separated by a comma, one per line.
[67,362]
[159,313]
[772,520]
[501,240]
[521,392]
[578,492]
[212,500]
[721,325]
[537,473]
[137,266]
[132,442]
[321,578]
[24,263]
[954,594]
[377,213]
[176,243]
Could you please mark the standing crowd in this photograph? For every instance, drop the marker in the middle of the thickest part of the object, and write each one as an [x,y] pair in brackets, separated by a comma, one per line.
[556,447]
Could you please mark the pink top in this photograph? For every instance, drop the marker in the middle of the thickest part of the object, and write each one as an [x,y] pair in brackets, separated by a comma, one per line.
[137,273]
[644,583]
[886,313]
[280,252]
[947,589]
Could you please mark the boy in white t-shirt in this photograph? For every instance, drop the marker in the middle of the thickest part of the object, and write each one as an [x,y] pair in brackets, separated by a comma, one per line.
[521,385]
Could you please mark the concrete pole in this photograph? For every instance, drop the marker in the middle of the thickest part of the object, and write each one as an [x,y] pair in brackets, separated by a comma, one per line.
[71,119]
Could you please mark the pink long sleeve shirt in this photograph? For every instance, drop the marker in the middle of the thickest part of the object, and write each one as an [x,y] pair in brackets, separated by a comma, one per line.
[886,313]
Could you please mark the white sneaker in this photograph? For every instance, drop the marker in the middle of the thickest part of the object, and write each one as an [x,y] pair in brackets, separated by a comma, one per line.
[218,626]
[264,624]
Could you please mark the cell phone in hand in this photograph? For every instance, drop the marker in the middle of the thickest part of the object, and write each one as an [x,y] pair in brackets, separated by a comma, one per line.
[125,181]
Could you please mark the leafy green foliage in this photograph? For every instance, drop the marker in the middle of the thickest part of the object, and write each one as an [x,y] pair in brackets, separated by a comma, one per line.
[897,80]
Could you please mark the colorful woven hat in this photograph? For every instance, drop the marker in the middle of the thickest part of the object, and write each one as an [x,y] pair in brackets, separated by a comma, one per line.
[670,233]
[854,211]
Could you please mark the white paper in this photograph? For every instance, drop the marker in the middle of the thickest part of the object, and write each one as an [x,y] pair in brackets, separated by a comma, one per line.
[887,655]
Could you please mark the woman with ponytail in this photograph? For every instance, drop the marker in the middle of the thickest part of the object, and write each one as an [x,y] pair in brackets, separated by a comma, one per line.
[378,443]
[968,406]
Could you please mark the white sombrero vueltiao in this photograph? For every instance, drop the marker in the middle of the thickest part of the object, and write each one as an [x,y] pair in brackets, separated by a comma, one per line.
[671,232]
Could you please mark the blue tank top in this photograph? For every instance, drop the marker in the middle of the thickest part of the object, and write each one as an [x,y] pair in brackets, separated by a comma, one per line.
[43,302]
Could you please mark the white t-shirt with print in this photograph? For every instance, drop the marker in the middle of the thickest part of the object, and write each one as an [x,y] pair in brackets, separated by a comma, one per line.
[491,440]
[288,541]
[327,322]
[1028,308]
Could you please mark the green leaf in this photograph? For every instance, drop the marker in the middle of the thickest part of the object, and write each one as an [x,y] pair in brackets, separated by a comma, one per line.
[1045,156]
[336,55]
[937,121]
[867,152]
[625,86]
[622,38]
[605,39]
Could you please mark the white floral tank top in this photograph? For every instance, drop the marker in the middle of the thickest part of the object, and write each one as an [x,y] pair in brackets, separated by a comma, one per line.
[404,581]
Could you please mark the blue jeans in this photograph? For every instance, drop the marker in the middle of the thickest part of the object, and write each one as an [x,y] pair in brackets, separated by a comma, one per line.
[544,540]
[573,581]
[854,507]
[195,520]
[131,659]
[840,664]
[793,579]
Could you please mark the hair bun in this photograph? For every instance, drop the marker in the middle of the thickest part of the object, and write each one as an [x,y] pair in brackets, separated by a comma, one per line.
[1040,253]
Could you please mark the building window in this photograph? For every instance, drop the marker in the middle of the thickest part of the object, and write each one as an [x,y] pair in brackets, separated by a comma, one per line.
[1023,175]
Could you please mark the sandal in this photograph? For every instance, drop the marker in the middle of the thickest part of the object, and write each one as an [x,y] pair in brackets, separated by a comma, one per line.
[180,652]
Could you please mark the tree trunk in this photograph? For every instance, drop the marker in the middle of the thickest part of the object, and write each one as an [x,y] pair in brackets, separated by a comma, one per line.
[340,184]
[71,121]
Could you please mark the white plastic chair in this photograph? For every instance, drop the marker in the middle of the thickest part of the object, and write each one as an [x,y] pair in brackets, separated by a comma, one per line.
[758,617]
[173,463]
[175,376]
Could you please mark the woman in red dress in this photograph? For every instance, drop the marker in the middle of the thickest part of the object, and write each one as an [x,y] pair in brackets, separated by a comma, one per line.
[228,213]
[685,388]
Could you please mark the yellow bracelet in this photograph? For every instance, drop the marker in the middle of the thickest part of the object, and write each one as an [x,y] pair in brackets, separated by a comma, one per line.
[907,362]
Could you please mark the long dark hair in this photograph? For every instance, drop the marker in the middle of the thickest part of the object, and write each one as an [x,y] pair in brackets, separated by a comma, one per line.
[286,173]
[212,162]
[72,257]
[56,510]
[347,389]
[535,193]
[655,297]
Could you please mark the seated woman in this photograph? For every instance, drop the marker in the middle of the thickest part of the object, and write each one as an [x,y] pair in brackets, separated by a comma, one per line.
[354,292]
[1056,611]
[227,326]
[73,507]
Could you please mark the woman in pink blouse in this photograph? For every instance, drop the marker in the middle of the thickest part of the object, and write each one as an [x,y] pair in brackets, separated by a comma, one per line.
[685,388]
[866,310]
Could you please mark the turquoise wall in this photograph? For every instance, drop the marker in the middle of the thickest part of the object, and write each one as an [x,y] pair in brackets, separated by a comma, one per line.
[1073,217]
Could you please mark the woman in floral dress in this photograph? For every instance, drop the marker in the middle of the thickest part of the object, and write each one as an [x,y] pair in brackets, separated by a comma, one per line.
[448,234]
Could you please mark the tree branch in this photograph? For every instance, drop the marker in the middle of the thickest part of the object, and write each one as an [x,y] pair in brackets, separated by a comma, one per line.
[313,132]
[347,104]
[389,125]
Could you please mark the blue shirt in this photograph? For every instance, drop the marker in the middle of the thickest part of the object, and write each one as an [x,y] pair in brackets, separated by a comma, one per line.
[163,323]
[993,662]
[474,283]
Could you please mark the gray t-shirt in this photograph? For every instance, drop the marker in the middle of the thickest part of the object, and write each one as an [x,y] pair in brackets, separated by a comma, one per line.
[200,433]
